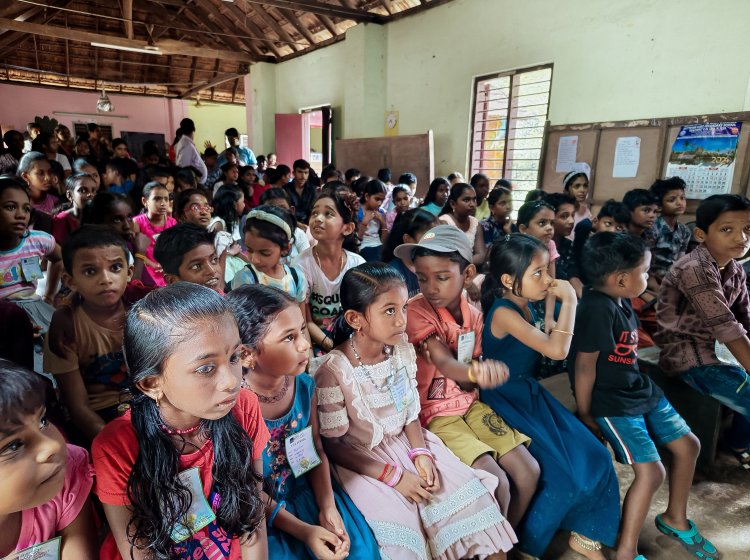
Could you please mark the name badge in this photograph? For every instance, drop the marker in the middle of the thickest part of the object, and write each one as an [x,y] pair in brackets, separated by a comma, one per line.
[31,269]
[199,514]
[400,389]
[48,550]
[466,343]
[301,453]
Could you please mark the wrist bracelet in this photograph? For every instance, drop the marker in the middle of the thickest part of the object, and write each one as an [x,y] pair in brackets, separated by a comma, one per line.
[417,451]
[279,505]
[396,477]
[139,256]
[470,373]
[385,471]
[562,331]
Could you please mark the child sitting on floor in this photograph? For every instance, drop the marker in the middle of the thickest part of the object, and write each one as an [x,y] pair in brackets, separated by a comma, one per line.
[447,333]
[616,400]
[84,347]
[671,238]
[80,189]
[187,253]
[45,509]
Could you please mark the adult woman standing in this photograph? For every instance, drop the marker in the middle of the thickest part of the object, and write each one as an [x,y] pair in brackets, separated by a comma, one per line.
[186,154]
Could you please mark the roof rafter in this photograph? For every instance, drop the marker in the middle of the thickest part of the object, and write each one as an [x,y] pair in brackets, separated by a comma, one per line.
[331,10]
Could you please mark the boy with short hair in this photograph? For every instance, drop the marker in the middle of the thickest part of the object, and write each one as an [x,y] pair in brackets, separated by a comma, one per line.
[618,401]
[448,333]
[186,252]
[566,267]
[119,174]
[301,190]
[643,211]
[84,347]
[671,238]
[703,299]
[613,216]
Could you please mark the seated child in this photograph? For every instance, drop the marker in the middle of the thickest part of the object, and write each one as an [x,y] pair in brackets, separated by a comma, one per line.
[400,196]
[309,516]
[187,253]
[34,169]
[643,212]
[371,227]
[498,223]
[119,174]
[481,184]
[399,475]
[303,239]
[21,253]
[153,222]
[268,238]
[191,206]
[703,300]
[447,333]
[565,267]
[84,347]
[178,476]
[80,189]
[409,227]
[615,399]
[613,216]
[671,238]
[44,482]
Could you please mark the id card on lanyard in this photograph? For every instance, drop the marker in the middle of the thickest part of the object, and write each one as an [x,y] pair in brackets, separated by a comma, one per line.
[301,453]
[466,343]
[400,389]
[199,514]
[48,550]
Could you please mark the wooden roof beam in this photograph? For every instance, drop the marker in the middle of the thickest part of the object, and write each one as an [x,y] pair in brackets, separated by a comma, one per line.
[281,33]
[244,21]
[328,24]
[208,85]
[168,47]
[127,15]
[297,24]
[331,10]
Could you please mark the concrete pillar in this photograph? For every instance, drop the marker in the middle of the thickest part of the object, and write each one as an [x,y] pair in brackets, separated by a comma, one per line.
[260,106]
[366,88]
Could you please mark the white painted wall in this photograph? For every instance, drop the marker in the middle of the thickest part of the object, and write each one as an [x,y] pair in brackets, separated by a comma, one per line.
[612,61]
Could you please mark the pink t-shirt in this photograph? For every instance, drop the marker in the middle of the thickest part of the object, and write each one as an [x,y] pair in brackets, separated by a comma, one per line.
[150,276]
[46,205]
[552,248]
[15,283]
[44,522]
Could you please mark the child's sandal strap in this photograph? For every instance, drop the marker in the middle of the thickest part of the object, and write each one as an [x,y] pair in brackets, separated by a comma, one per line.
[691,539]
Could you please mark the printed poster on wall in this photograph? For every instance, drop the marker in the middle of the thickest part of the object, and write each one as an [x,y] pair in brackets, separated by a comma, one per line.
[703,155]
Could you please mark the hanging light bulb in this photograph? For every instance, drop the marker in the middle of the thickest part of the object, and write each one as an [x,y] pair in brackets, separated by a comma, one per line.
[103,104]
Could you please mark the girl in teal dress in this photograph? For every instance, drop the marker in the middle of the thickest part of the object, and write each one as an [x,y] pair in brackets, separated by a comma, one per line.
[578,489]
[308,516]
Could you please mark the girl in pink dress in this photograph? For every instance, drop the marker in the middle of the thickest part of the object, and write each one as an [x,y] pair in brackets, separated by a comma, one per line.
[154,221]
[420,501]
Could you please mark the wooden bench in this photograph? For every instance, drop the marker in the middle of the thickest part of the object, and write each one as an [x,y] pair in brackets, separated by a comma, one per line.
[702,413]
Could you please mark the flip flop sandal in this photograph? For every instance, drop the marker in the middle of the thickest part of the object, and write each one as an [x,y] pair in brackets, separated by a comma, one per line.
[640,557]
[743,457]
[691,539]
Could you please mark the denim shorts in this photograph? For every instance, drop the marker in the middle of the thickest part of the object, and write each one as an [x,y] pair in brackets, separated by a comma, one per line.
[634,438]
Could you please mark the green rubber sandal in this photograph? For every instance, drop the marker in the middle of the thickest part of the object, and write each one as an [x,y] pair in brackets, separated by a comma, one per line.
[691,539]
[640,557]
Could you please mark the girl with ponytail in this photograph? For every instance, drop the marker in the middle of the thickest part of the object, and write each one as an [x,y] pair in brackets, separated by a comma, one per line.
[178,474]
[580,490]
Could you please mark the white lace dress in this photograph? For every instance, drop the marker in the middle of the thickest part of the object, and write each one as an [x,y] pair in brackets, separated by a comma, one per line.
[356,404]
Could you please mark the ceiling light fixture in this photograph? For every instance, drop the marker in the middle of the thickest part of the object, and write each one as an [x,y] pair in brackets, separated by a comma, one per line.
[148,49]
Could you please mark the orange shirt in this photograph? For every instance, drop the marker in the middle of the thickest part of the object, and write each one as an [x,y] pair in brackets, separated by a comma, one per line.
[438,395]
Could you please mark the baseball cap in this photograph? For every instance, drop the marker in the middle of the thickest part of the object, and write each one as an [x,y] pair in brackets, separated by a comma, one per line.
[441,239]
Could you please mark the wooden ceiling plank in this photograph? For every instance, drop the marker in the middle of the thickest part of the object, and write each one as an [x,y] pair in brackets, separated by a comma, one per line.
[297,24]
[173,47]
[127,14]
[328,24]
[244,22]
[387,7]
[203,19]
[213,83]
[331,10]
[281,33]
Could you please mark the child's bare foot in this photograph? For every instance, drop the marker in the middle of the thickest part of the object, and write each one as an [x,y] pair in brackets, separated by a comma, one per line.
[586,547]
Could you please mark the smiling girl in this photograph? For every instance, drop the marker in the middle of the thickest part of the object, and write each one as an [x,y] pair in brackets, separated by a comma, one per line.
[151,223]
[459,211]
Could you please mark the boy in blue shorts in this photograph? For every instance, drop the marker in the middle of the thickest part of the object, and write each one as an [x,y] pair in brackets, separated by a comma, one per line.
[619,402]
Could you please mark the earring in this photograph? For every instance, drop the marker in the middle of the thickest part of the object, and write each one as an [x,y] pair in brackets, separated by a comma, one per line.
[243,383]
[157,401]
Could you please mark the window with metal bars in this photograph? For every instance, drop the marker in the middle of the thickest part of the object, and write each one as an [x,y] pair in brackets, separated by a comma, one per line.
[510,112]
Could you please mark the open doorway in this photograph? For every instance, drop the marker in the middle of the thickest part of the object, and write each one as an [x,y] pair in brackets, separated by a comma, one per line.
[320,119]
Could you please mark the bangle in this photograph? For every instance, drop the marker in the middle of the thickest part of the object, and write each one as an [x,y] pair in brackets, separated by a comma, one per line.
[385,470]
[396,477]
[279,505]
[417,451]
[562,331]
[140,256]
[470,373]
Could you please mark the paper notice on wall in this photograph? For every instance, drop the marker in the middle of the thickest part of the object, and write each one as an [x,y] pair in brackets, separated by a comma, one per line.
[566,154]
[627,157]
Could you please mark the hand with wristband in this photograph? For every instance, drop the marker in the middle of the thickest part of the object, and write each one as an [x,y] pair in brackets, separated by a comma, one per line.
[424,461]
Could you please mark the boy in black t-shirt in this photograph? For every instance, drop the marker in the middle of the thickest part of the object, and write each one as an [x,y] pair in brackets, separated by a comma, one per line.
[619,402]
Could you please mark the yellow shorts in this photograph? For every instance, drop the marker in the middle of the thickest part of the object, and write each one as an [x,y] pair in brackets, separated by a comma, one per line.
[477,432]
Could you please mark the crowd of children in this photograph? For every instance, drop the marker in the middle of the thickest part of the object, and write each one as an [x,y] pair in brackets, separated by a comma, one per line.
[243,360]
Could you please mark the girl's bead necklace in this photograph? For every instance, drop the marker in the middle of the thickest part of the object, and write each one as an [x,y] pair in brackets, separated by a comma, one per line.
[175,432]
[274,398]
[387,350]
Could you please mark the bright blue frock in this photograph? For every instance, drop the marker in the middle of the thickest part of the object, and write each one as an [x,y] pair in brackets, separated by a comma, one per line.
[297,492]
[578,489]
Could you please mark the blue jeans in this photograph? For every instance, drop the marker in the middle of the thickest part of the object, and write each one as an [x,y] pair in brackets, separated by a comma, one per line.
[730,385]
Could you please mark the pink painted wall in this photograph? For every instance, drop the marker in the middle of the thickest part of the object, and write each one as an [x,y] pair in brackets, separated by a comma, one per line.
[20,104]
